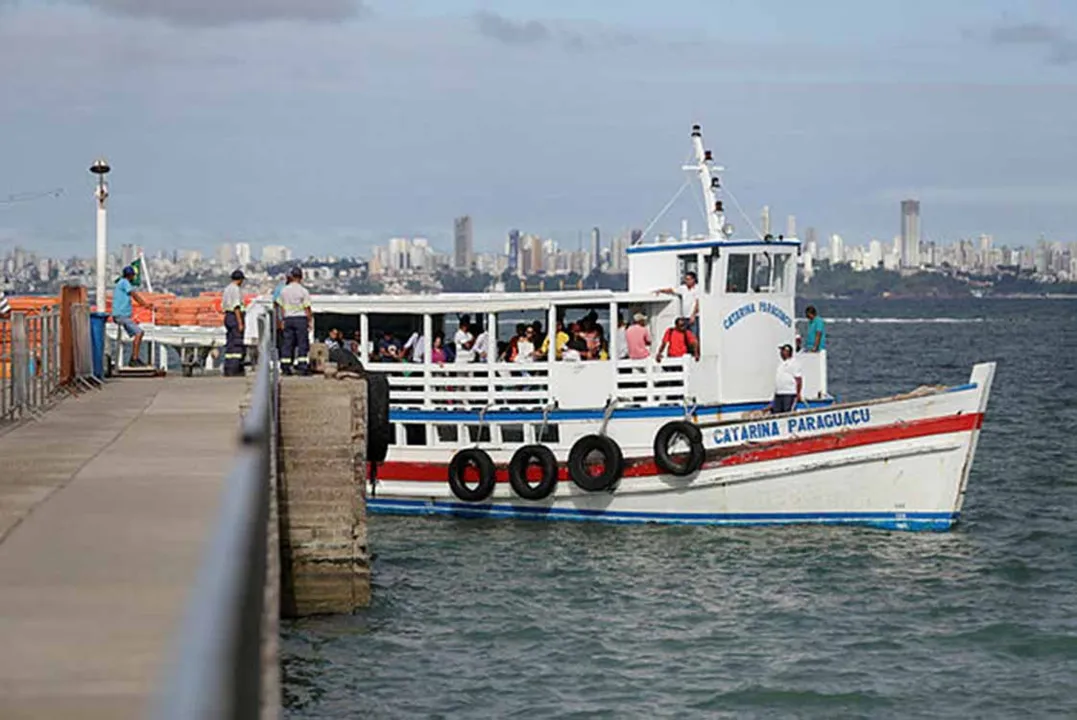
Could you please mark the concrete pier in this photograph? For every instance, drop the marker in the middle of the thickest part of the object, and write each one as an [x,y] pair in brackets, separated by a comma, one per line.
[105,507]
[322,475]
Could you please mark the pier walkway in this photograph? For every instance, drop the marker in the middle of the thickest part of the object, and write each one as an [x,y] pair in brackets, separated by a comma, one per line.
[106,506]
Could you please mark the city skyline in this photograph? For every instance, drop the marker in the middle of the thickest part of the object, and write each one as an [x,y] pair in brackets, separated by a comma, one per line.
[288,124]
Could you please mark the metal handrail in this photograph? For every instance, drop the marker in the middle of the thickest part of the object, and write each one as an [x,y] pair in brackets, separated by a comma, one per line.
[29,363]
[217,672]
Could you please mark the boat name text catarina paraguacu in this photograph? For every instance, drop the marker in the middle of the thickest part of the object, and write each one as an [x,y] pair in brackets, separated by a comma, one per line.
[772,429]
[764,307]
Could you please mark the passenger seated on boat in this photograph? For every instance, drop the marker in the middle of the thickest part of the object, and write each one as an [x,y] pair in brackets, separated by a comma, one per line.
[560,340]
[539,336]
[479,348]
[574,349]
[679,340]
[463,341]
[345,360]
[333,340]
[622,338]
[437,350]
[638,338]
[589,331]
[414,348]
[388,348]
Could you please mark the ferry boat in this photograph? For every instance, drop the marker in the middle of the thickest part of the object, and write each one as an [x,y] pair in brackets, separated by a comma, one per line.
[678,440]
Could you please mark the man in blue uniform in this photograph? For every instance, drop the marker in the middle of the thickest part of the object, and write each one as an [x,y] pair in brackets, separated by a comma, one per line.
[232,305]
[294,303]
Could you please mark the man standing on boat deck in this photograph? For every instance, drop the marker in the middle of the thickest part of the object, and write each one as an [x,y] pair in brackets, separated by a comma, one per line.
[232,305]
[294,302]
[689,295]
[788,382]
[463,340]
[816,331]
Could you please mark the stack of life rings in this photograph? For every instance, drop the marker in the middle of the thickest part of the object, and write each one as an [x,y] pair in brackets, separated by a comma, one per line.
[595,464]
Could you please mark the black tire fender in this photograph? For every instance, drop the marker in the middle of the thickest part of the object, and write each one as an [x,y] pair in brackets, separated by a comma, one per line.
[612,462]
[522,459]
[481,461]
[666,435]
[378,429]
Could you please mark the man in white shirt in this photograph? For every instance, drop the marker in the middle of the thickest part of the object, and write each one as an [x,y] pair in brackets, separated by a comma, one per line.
[414,348]
[464,341]
[688,292]
[788,382]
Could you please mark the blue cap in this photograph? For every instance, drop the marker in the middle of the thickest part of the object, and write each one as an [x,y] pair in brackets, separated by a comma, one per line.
[128,270]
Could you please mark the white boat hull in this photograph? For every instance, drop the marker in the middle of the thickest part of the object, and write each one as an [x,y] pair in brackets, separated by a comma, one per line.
[899,463]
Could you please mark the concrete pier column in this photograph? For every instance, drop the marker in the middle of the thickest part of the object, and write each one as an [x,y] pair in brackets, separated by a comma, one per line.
[325,567]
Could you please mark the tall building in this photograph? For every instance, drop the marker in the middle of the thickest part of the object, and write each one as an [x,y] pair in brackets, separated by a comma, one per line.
[791,226]
[419,254]
[514,251]
[243,254]
[764,220]
[463,247]
[226,254]
[618,254]
[810,243]
[837,249]
[274,254]
[910,233]
[399,255]
[875,254]
[127,254]
[596,250]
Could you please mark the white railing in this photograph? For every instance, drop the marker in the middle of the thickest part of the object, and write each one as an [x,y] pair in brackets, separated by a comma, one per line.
[526,385]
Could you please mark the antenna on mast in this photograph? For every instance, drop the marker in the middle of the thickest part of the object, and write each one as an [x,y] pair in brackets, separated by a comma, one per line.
[710,182]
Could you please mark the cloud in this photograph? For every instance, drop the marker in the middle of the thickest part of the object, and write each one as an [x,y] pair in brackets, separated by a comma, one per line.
[534,32]
[217,13]
[500,28]
[1061,48]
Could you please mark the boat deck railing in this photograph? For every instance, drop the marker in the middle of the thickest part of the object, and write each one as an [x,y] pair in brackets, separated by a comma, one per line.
[528,385]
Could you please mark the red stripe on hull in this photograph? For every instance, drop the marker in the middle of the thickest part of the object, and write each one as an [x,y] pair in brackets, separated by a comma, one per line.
[643,467]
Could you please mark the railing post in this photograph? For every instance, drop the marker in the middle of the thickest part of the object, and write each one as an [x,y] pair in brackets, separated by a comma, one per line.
[20,360]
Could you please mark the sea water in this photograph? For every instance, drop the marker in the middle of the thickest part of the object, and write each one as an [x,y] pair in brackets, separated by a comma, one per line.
[475,618]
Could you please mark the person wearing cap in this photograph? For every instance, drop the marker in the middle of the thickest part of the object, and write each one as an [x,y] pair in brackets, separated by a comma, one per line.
[788,382]
[232,305]
[122,310]
[638,338]
[297,319]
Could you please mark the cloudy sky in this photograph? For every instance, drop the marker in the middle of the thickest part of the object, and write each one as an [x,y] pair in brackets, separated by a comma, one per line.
[332,124]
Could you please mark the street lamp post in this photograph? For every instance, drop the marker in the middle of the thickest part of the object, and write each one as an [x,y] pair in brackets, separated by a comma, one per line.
[100,168]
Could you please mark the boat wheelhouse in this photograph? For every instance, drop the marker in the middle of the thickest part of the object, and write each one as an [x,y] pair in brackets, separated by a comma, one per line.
[682,439]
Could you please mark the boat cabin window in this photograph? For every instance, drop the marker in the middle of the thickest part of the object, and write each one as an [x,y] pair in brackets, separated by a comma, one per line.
[687,264]
[448,433]
[547,434]
[414,434]
[392,434]
[737,274]
[478,433]
[761,267]
[781,281]
[512,434]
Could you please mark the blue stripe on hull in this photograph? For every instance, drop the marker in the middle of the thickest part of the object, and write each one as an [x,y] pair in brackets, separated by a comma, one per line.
[936,521]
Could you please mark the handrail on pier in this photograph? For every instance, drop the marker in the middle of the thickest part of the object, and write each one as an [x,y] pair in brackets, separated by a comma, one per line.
[217,673]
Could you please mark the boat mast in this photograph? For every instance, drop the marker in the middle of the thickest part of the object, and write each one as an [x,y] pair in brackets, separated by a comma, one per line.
[709,180]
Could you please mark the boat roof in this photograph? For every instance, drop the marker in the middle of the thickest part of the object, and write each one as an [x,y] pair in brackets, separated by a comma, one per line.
[441,303]
[703,244]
